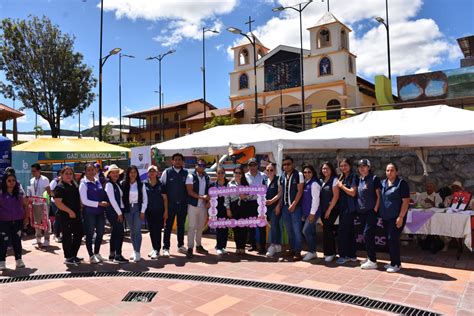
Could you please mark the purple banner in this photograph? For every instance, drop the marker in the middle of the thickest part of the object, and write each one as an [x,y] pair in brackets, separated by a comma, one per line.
[260,221]
[418,219]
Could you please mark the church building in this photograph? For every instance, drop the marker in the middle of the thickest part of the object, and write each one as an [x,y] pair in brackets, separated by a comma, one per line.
[332,88]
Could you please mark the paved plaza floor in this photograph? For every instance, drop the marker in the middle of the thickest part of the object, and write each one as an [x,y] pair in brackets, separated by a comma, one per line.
[437,283]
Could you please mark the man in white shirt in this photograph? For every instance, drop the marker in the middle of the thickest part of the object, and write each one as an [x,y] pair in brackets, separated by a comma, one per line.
[38,185]
[254,177]
[429,198]
[197,186]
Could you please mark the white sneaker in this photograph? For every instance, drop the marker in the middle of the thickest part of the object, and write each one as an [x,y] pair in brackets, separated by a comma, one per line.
[98,256]
[45,243]
[224,252]
[19,264]
[155,254]
[368,265]
[137,257]
[182,250]
[36,241]
[277,248]
[388,265]
[151,253]
[219,252]
[166,253]
[394,269]
[3,266]
[271,251]
[94,260]
[329,258]
[309,256]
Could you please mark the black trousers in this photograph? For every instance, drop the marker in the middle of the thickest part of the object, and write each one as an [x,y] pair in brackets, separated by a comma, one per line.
[178,211]
[262,231]
[71,228]
[10,233]
[240,233]
[221,233]
[155,225]
[329,237]
[117,234]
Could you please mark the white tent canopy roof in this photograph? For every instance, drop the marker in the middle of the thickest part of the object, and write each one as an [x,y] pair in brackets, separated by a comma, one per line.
[216,140]
[431,126]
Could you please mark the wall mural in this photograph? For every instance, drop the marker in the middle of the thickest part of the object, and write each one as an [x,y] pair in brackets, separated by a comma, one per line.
[445,84]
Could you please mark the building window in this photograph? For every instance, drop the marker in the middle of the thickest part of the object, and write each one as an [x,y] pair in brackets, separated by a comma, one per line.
[155,120]
[243,81]
[324,38]
[325,67]
[176,117]
[344,39]
[244,57]
[333,110]
[351,64]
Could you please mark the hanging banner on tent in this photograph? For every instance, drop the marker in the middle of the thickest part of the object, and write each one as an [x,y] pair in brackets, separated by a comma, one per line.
[141,157]
[384,141]
[88,156]
[259,221]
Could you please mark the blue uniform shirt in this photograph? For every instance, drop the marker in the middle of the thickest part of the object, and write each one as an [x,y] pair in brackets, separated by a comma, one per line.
[392,197]
[347,203]
[366,195]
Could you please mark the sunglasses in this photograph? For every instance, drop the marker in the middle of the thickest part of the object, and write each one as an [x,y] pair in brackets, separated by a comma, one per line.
[201,165]
[270,170]
[237,172]
[307,172]
[221,173]
[287,164]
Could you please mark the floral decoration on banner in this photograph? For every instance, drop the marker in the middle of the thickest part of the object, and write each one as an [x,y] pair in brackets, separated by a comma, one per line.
[260,221]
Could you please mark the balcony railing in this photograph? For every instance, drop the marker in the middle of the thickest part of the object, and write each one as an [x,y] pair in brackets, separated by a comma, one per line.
[154,127]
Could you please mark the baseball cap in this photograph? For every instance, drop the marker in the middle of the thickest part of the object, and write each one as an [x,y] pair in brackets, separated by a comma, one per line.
[152,167]
[252,161]
[364,162]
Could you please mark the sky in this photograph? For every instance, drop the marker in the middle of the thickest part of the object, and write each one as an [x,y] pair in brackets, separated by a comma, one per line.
[423,38]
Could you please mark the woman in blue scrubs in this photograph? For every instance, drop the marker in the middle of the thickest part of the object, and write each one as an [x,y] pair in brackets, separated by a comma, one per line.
[393,210]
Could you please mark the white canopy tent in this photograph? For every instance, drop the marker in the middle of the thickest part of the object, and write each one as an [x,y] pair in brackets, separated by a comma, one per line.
[216,140]
[415,128]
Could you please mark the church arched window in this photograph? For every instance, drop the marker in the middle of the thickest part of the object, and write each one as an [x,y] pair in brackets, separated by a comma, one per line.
[244,57]
[324,38]
[325,67]
[243,81]
[333,110]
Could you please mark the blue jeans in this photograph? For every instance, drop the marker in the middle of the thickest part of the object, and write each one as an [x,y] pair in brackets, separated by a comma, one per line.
[393,240]
[135,224]
[293,227]
[346,232]
[116,236]
[56,226]
[368,220]
[275,228]
[309,232]
[178,211]
[94,223]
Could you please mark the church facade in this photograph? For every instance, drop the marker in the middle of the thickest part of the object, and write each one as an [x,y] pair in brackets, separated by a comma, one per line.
[332,88]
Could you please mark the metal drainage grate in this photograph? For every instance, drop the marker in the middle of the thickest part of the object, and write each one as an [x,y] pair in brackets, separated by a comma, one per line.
[357,300]
[139,296]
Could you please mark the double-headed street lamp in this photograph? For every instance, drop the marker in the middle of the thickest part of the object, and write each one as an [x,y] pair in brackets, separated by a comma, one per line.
[204,30]
[387,27]
[101,65]
[299,8]
[120,91]
[254,44]
[160,58]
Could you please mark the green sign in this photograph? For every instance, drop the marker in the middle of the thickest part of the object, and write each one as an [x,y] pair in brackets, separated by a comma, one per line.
[82,156]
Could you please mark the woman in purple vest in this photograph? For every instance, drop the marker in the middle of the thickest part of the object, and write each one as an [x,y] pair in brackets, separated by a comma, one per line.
[12,219]
[94,201]
[310,205]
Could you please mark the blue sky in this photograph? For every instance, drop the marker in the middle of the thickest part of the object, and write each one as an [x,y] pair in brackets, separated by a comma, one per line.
[146,28]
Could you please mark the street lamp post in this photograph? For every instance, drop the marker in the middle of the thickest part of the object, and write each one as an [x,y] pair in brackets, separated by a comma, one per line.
[160,58]
[93,123]
[120,92]
[204,30]
[101,65]
[387,27]
[254,44]
[299,8]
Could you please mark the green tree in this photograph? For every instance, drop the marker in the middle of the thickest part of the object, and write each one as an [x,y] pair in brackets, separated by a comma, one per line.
[46,74]
[220,120]
[38,130]
[106,132]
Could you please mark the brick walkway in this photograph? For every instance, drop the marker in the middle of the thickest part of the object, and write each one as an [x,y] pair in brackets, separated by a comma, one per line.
[438,283]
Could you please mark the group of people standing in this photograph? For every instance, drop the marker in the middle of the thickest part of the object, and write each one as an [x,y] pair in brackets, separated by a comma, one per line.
[298,199]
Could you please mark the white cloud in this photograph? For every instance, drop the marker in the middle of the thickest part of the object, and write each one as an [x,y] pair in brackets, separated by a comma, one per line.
[186,18]
[415,43]
[219,47]
[105,120]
